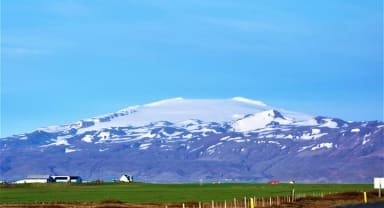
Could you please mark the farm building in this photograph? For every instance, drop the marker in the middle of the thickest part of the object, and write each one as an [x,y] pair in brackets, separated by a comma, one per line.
[126,178]
[67,179]
[36,179]
[273,182]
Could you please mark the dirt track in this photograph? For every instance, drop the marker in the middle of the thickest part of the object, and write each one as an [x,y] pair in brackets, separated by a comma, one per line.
[332,200]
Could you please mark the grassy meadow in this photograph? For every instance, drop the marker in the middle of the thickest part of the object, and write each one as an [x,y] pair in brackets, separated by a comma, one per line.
[158,193]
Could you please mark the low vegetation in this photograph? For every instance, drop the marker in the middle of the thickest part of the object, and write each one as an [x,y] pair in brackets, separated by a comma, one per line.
[159,193]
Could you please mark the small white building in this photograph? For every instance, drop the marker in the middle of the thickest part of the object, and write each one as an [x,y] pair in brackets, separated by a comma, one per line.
[67,179]
[36,179]
[126,178]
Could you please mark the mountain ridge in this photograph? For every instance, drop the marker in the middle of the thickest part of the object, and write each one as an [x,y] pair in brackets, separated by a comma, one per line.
[185,140]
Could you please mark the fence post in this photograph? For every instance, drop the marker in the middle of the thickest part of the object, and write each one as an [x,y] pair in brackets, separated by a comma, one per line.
[252,203]
[245,202]
[262,201]
[213,204]
[365,197]
[234,202]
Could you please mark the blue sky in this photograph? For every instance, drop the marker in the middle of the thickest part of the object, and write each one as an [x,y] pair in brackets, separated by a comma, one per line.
[66,60]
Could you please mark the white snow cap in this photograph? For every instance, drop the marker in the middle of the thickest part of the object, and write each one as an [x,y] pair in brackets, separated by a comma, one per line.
[163,102]
[178,110]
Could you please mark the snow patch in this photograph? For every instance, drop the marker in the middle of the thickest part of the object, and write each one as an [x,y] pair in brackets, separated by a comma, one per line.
[273,142]
[316,131]
[235,139]
[170,135]
[104,135]
[225,138]
[188,136]
[211,149]
[61,140]
[68,150]
[144,146]
[188,122]
[310,122]
[356,130]
[309,136]
[304,148]
[327,145]
[214,146]
[87,138]
[53,129]
[129,110]
[147,135]
[239,140]
[329,123]
[366,139]
[205,131]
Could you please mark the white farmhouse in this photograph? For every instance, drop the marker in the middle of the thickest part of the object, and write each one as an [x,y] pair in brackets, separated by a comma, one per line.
[126,178]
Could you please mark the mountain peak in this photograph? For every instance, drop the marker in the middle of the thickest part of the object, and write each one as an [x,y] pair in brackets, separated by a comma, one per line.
[276,114]
[259,120]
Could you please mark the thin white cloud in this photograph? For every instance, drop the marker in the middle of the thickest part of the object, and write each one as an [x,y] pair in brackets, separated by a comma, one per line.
[22,51]
[68,8]
[243,24]
[16,44]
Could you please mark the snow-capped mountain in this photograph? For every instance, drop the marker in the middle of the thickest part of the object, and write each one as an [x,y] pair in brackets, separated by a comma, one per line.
[185,140]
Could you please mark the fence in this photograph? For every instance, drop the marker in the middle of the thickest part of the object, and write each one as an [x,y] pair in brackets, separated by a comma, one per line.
[250,202]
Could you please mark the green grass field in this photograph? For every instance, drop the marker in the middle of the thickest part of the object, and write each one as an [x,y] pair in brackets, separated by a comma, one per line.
[158,193]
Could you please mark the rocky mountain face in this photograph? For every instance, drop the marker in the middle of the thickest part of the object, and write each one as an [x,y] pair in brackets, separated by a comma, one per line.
[186,140]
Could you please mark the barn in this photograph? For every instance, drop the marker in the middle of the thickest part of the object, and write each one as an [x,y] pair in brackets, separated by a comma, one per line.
[36,179]
[273,182]
[67,179]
